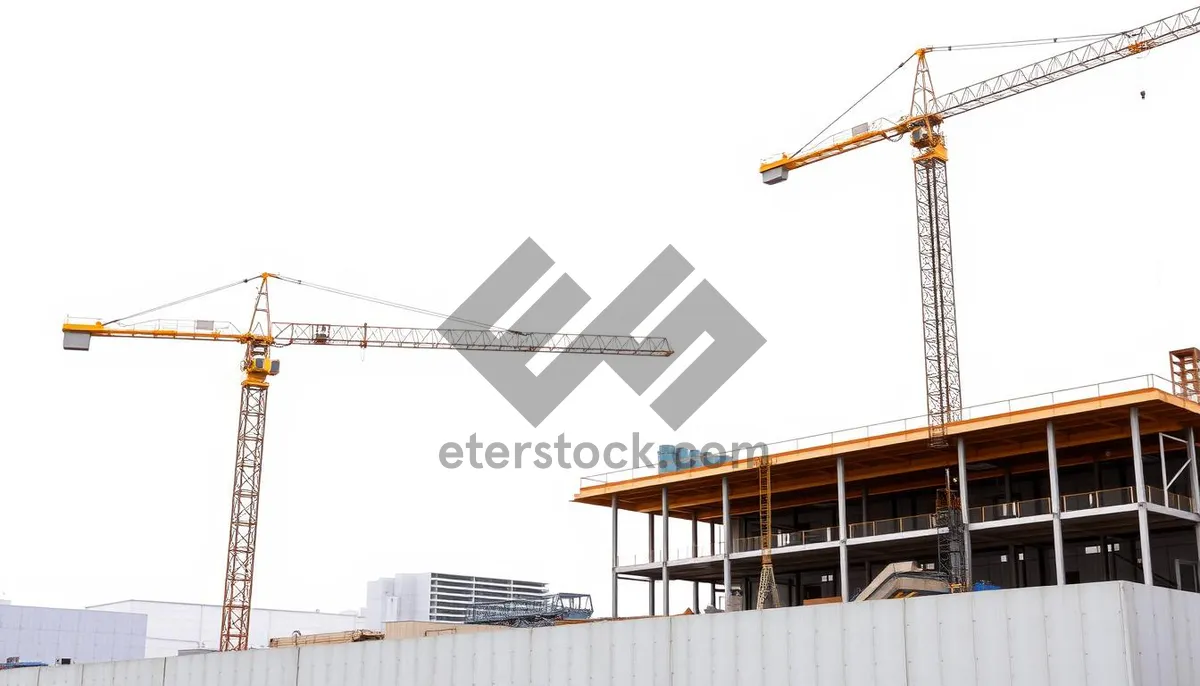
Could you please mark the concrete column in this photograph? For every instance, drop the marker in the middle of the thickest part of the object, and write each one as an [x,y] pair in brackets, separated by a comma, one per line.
[650,522]
[695,553]
[1194,473]
[1135,432]
[966,509]
[650,518]
[695,536]
[666,554]
[1012,549]
[727,571]
[614,555]
[1162,464]
[712,550]
[843,553]
[1060,572]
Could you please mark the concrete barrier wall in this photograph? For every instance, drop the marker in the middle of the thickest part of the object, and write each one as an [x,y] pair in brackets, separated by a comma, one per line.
[1113,633]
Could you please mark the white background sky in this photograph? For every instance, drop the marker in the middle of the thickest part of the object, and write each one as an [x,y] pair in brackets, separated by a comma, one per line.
[155,150]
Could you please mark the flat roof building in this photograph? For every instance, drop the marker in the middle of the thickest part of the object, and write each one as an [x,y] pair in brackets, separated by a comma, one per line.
[50,634]
[168,628]
[1059,488]
[439,597]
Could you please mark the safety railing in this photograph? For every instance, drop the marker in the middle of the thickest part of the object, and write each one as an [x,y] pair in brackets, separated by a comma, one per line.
[897,525]
[1020,508]
[785,539]
[1109,497]
[1073,502]
[1175,501]
[746,457]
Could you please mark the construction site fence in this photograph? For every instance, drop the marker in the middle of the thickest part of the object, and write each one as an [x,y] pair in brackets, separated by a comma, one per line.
[1114,633]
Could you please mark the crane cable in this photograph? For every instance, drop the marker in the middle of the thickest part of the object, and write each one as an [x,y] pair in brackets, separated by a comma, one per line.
[948,48]
[856,103]
[389,303]
[1020,43]
[327,289]
[183,300]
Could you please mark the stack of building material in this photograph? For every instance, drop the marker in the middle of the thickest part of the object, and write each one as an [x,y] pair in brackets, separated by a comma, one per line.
[298,639]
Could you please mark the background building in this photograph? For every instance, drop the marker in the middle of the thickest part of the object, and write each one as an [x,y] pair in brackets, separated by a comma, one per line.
[170,627]
[437,597]
[45,634]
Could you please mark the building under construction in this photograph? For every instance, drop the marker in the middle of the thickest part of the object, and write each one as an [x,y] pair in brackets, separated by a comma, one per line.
[1060,488]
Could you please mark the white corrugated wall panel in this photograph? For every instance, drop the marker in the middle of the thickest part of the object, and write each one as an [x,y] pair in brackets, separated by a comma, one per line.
[603,653]
[747,627]
[1186,620]
[647,642]
[774,626]
[802,649]
[922,641]
[67,675]
[136,673]
[335,664]
[1064,633]
[829,644]
[1164,627]
[444,656]
[891,662]
[956,632]
[858,643]
[540,667]
[1164,636]
[511,661]
[1101,625]
[406,662]
[425,660]
[275,667]
[723,642]
[1026,637]
[993,666]
[99,674]
[20,677]
[1110,634]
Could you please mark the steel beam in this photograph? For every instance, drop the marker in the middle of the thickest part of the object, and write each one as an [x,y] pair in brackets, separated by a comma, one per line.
[650,521]
[1060,572]
[614,555]
[1194,474]
[666,554]
[1135,433]
[843,553]
[966,517]
[695,553]
[727,566]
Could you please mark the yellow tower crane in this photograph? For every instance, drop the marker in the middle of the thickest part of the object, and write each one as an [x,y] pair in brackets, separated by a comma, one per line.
[260,337]
[768,591]
[923,125]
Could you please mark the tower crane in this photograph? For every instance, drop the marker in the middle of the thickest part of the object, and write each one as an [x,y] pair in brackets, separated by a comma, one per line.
[923,125]
[258,365]
[768,590]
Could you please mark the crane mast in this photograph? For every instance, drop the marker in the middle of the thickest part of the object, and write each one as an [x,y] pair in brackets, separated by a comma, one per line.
[943,396]
[768,591]
[923,125]
[247,477]
[264,334]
